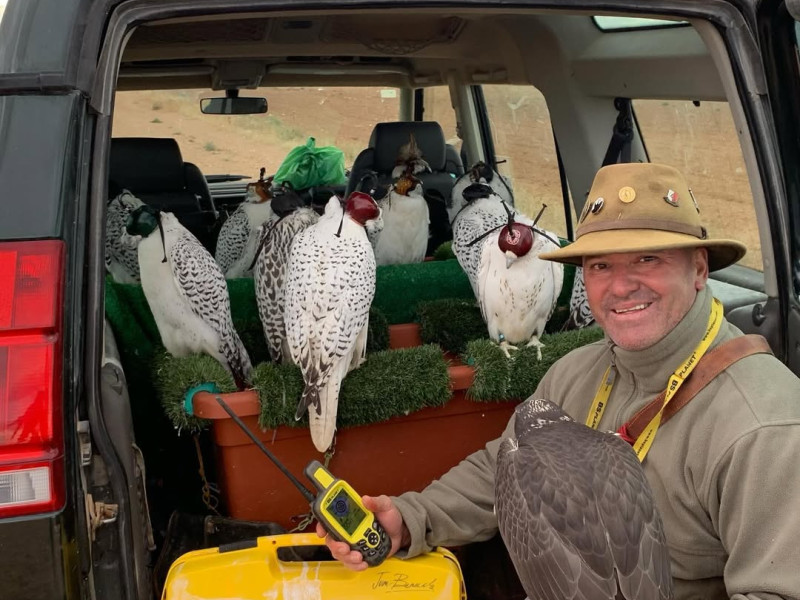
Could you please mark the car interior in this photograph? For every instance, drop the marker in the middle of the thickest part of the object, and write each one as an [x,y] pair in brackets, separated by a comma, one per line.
[543,95]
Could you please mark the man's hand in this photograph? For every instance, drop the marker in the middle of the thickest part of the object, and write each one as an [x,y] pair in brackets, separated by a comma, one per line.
[388,516]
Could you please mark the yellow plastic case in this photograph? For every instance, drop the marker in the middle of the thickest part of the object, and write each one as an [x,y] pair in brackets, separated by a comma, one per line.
[257,572]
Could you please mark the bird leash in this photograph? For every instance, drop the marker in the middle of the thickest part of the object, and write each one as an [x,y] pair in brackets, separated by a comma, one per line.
[306,519]
[643,442]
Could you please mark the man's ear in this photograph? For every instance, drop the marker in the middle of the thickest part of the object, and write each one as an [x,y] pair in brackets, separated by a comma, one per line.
[700,268]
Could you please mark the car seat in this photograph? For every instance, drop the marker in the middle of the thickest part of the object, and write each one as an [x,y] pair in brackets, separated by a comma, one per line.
[375,163]
[153,170]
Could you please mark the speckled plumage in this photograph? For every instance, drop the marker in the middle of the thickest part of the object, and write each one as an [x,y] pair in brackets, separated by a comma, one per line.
[121,257]
[479,173]
[239,235]
[475,220]
[330,286]
[404,238]
[270,276]
[580,315]
[517,300]
[189,298]
[576,512]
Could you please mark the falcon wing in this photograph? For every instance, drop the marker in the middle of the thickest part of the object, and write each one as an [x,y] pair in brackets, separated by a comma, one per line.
[271,276]
[331,286]
[549,522]
[201,284]
[232,238]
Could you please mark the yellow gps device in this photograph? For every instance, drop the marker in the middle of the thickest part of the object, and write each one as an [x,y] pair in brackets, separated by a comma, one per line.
[340,511]
[336,505]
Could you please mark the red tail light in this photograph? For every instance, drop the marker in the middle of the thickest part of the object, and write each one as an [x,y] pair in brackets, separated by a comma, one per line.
[31,436]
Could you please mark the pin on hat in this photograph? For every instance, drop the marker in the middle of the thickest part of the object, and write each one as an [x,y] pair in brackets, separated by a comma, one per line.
[655,221]
[671,198]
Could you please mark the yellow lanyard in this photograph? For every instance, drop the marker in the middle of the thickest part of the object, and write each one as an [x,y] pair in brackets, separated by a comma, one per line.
[642,444]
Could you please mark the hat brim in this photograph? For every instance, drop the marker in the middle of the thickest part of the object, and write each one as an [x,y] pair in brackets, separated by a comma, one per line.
[721,252]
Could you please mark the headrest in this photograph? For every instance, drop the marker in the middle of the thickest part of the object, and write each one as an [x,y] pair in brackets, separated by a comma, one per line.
[388,138]
[147,165]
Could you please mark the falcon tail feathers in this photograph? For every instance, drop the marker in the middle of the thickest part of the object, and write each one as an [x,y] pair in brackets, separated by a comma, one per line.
[238,362]
[322,422]
[310,397]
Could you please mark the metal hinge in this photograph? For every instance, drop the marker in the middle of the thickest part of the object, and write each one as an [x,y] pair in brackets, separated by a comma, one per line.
[100,513]
[85,443]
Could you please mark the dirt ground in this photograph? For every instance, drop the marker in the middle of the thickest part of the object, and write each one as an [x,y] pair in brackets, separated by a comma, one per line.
[699,140]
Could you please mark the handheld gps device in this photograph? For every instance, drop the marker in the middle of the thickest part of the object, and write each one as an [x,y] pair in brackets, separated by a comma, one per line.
[340,510]
[336,505]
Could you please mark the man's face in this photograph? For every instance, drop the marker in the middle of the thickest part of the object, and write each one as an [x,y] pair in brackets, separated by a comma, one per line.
[637,297]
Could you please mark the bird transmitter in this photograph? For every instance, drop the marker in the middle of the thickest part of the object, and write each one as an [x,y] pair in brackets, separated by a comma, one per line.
[340,511]
[336,505]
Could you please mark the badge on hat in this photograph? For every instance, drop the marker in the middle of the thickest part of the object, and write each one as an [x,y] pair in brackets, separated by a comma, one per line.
[627,194]
[671,198]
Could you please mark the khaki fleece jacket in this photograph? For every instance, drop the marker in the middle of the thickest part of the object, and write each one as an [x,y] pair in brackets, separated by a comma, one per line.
[725,470]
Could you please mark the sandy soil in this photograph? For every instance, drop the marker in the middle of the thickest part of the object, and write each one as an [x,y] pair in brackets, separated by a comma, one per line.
[701,141]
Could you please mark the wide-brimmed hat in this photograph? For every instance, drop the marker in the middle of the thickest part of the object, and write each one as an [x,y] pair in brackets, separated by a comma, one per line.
[634,207]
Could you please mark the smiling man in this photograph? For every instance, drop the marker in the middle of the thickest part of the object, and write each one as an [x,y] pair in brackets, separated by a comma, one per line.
[722,463]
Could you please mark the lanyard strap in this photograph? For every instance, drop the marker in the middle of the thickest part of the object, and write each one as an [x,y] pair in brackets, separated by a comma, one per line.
[642,444]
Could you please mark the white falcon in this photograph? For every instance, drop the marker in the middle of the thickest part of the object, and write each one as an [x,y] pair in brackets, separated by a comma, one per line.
[484,213]
[272,257]
[577,513]
[186,292]
[479,173]
[239,235]
[328,295]
[122,261]
[409,159]
[518,291]
[404,238]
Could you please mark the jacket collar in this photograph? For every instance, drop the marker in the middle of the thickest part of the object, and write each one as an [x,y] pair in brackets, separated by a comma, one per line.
[652,366]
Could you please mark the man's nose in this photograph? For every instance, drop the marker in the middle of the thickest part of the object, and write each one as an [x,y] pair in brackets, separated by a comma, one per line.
[623,282]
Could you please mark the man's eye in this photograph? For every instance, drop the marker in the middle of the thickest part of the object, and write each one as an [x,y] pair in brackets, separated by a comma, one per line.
[648,259]
[597,266]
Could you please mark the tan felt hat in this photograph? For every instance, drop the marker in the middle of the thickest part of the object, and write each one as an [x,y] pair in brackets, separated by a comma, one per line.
[634,207]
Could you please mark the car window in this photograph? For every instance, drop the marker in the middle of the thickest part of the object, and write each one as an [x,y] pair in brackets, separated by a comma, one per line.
[524,146]
[700,139]
[439,108]
[241,144]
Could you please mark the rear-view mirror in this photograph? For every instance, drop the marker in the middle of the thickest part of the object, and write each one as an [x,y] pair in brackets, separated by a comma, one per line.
[233,106]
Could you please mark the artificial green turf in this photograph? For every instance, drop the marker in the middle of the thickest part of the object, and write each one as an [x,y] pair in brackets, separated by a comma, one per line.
[451,323]
[501,378]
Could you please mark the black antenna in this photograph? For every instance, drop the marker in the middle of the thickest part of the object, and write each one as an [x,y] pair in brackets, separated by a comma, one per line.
[341,221]
[161,230]
[539,216]
[307,494]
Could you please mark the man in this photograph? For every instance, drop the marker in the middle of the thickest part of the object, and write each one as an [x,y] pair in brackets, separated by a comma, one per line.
[725,469]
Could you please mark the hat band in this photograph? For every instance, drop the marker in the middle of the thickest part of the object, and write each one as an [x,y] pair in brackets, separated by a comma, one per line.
[674,226]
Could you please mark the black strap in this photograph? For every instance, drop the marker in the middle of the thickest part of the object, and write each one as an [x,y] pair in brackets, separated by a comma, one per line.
[619,148]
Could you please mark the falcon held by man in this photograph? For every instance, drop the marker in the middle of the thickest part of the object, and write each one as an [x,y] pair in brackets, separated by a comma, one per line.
[330,287]
[576,512]
[186,292]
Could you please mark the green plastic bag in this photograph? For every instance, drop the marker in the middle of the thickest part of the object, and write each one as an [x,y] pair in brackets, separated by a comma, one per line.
[308,166]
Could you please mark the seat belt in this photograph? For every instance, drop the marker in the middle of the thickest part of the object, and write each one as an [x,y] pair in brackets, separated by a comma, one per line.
[619,148]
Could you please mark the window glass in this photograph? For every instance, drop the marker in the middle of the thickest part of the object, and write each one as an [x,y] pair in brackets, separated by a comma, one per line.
[439,108]
[523,141]
[241,144]
[701,141]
